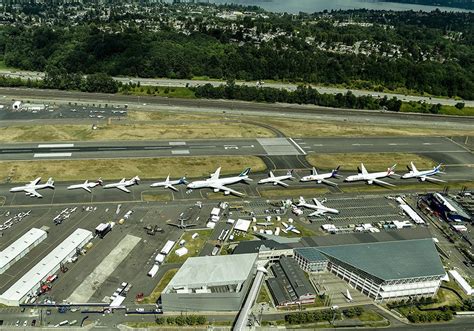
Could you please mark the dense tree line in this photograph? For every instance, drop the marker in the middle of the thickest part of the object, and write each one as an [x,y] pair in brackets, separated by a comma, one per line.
[433,61]
[182,320]
[313,316]
[302,95]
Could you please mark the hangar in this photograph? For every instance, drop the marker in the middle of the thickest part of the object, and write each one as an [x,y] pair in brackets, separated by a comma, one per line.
[31,281]
[210,283]
[381,270]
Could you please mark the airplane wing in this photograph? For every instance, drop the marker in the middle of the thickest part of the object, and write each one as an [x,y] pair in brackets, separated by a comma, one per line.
[87,189]
[216,174]
[36,181]
[317,213]
[279,182]
[172,187]
[435,180]
[123,188]
[32,192]
[227,189]
[316,201]
[328,182]
[362,169]
[381,182]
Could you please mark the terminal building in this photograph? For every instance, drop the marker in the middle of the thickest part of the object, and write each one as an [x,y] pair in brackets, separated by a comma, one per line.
[381,270]
[20,248]
[28,285]
[210,283]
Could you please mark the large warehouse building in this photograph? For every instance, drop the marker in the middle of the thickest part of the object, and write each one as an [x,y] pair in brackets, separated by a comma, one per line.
[29,284]
[210,283]
[381,270]
[20,248]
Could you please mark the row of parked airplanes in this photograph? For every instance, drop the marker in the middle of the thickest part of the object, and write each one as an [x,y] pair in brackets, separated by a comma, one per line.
[216,183]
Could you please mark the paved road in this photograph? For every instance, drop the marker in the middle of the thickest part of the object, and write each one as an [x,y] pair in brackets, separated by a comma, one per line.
[282,111]
[291,87]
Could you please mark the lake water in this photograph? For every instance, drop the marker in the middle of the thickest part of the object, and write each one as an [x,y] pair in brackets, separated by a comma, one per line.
[295,6]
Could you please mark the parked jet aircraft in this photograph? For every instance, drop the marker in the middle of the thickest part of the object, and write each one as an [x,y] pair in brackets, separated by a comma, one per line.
[182,224]
[31,187]
[373,177]
[219,184]
[277,180]
[123,184]
[424,174]
[318,206]
[170,183]
[86,185]
[321,178]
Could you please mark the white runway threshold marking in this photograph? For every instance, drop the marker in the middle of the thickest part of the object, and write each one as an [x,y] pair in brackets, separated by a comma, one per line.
[52,155]
[55,145]
[177,143]
[180,151]
[297,146]
[86,290]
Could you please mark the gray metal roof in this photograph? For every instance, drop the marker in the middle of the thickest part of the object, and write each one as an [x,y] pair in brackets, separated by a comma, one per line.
[311,254]
[390,260]
[213,271]
[255,246]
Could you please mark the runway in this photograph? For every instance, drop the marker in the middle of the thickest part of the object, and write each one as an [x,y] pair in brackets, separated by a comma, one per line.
[441,149]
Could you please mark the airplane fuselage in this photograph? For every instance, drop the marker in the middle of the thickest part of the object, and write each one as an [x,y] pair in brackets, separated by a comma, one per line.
[420,174]
[26,187]
[368,177]
[273,180]
[317,178]
[222,181]
[171,182]
[83,186]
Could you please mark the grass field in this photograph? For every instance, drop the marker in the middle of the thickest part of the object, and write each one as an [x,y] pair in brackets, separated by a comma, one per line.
[445,298]
[194,246]
[156,196]
[23,171]
[264,295]
[137,131]
[292,192]
[372,161]
[155,294]
[415,107]
[295,129]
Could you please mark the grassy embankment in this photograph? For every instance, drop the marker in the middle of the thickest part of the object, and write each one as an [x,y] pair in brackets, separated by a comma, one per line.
[194,246]
[22,171]
[155,294]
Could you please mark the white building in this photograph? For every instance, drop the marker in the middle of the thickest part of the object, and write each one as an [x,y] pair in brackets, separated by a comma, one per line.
[381,270]
[29,284]
[20,248]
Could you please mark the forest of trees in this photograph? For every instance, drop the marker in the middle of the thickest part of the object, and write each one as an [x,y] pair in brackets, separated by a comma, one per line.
[302,95]
[223,54]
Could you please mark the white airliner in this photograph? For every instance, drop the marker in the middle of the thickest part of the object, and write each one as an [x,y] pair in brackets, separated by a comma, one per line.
[318,206]
[123,184]
[424,174]
[373,177]
[219,184]
[86,185]
[277,180]
[31,187]
[321,178]
[170,183]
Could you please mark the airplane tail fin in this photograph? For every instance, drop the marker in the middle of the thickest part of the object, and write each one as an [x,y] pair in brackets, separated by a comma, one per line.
[290,173]
[136,179]
[183,180]
[245,172]
[391,170]
[50,182]
[335,171]
[100,181]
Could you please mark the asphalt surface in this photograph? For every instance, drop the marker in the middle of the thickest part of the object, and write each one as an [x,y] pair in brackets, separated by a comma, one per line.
[281,111]
[290,87]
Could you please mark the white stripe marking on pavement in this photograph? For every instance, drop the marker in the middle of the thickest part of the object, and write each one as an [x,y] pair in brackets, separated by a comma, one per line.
[55,145]
[52,155]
